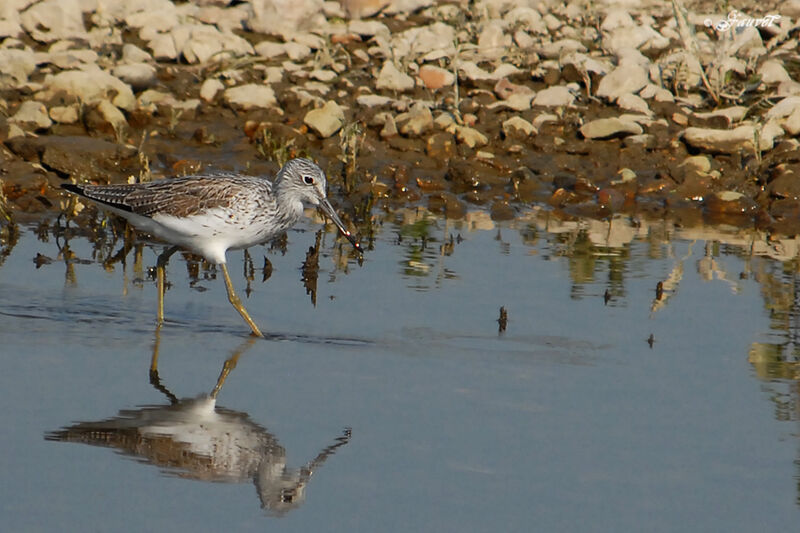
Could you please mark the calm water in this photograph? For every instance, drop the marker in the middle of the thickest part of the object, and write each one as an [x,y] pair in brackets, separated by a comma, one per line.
[568,421]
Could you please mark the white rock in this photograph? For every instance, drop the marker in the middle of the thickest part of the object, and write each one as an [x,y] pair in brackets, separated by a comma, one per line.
[368,28]
[791,124]
[133,54]
[389,128]
[617,18]
[632,56]
[417,121]
[732,114]
[631,102]
[604,128]
[357,9]
[15,131]
[64,114]
[584,63]
[636,37]
[623,79]
[470,136]
[659,94]
[206,42]
[32,112]
[554,50]
[297,51]
[321,88]
[210,88]
[528,17]
[270,49]
[728,141]
[784,108]
[18,64]
[419,41]
[373,100]
[544,118]
[493,41]
[518,125]
[445,121]
[475,73]
[158,19]
[52,20]
[523,39]
[112,115]
[163,47]
[90,86]
[226,19]
[772,71]
[137,75]
[326,120]
[282,17]
[151,99]
[391,78]
[558,96]
[250,96]
[788,88]
[323,75]
[273,75]
[552,22]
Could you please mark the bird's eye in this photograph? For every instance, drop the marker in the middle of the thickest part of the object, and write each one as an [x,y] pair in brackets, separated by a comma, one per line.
[308,180]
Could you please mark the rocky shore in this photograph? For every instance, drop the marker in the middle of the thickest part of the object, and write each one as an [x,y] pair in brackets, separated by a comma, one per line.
[590,108]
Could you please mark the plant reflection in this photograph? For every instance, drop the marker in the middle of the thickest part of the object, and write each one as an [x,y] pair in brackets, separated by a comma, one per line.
[194,438]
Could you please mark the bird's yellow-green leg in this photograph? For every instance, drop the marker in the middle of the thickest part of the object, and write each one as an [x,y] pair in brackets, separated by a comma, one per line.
[237,303]
[230,364]
[161,265]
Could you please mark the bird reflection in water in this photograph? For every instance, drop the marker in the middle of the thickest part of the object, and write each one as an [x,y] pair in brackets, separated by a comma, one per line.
[195,439]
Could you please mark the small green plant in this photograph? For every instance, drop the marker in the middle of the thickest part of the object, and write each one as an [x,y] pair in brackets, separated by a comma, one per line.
[351,137]
[273,149]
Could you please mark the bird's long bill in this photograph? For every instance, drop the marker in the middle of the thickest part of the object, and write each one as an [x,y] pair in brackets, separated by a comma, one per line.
[327,208]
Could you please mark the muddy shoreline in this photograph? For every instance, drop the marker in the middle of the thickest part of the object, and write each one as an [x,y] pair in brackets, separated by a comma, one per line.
[452,149]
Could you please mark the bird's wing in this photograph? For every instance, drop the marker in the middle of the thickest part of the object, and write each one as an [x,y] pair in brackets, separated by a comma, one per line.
[180,197]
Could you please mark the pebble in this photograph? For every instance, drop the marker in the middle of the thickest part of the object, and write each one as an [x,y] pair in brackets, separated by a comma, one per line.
[624,79]
[435,77]
[517,127]
[33,113]
[470,136]
[416,122]
[64,114]
[112,115]
[730,202]
[730,114]
[133,54]
[392,79]
[90,86]
[250,96]
[722,141]
[558,96]
[282,18]
[631,102]
[53,20]
[210,88]
[139,76]
[19,64]
[326,120]
[374,100]
[604,128]
[772,71]
[473,72]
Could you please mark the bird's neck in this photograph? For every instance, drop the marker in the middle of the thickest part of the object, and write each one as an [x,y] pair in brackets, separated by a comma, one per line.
[289,206]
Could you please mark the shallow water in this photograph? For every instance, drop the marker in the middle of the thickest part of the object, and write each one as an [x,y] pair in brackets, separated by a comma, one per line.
[394,403]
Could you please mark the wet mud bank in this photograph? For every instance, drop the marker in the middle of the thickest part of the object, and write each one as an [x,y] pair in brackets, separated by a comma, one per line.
[660,112]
